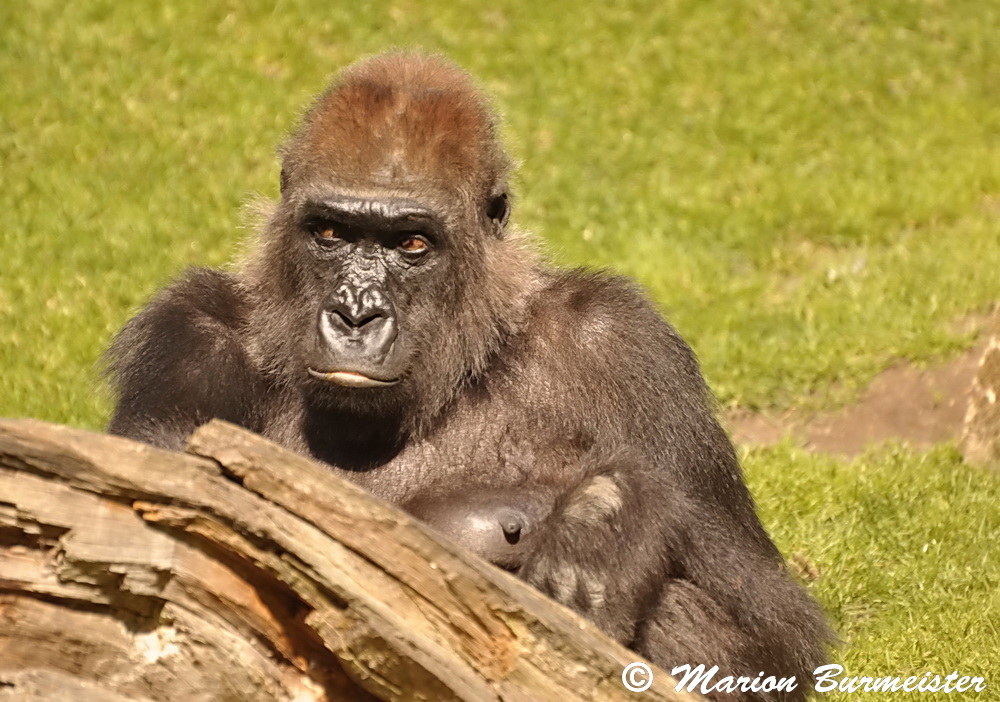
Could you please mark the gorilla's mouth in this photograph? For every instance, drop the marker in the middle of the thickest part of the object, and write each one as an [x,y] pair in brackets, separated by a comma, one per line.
[351,379]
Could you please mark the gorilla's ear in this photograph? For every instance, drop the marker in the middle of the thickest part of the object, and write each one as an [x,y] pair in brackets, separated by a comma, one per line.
[498,210]
[283,181]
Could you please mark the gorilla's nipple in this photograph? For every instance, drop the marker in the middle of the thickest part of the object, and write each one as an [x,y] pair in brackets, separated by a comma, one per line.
[511,523]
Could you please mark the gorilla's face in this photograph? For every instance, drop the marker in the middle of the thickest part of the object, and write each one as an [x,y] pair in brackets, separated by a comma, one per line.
[385,279]
[373,267]
[383,298]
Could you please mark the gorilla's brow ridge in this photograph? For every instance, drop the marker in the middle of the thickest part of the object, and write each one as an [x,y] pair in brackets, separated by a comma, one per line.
[361,210]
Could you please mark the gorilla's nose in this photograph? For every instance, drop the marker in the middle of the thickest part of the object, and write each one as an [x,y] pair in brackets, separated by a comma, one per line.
[358,326]
[351,308]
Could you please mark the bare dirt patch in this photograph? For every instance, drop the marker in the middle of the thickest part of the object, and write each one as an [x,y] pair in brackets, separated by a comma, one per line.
[920,406]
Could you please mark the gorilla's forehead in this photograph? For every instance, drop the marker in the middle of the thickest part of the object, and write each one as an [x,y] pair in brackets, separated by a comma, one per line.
[374,126]
[397,145]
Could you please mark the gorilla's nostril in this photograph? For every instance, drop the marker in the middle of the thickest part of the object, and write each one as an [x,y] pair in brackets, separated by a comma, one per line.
[356,322]
[344,318]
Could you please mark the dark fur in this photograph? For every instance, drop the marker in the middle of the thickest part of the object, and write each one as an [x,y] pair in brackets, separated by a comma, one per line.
[518,376]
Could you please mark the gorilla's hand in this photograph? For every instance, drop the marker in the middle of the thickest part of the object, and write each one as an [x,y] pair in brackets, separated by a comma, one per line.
[597,557]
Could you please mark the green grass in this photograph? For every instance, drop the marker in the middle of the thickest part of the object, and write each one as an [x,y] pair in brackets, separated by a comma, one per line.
[810,190]
[903,547]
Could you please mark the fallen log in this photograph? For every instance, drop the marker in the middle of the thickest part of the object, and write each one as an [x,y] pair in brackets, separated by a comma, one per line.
[241,571]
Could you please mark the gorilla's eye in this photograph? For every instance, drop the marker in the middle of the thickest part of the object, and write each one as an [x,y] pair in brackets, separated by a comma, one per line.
[413,244]
[324,232]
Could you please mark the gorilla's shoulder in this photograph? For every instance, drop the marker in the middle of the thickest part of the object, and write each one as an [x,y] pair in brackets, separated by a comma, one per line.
[594,300]
[608,317]
[181,361]
[586,289]
[206,293]
[200,309]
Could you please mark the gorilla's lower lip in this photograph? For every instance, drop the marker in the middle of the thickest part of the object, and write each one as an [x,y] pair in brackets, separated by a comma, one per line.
[351,379]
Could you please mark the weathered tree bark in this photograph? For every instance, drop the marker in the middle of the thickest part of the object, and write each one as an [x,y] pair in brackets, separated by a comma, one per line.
[981,434]
[240,571]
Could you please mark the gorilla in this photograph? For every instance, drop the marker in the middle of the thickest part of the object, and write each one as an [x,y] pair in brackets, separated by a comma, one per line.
[391,323]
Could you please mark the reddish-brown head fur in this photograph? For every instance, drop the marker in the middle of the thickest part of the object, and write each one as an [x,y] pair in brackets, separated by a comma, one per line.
[399,120]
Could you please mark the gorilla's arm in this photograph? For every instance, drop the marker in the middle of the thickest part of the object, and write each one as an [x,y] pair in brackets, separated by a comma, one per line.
[603,550]
[180,362]
[659,543]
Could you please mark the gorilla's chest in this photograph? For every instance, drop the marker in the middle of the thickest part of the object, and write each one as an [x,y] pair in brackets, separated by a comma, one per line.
[478,450]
